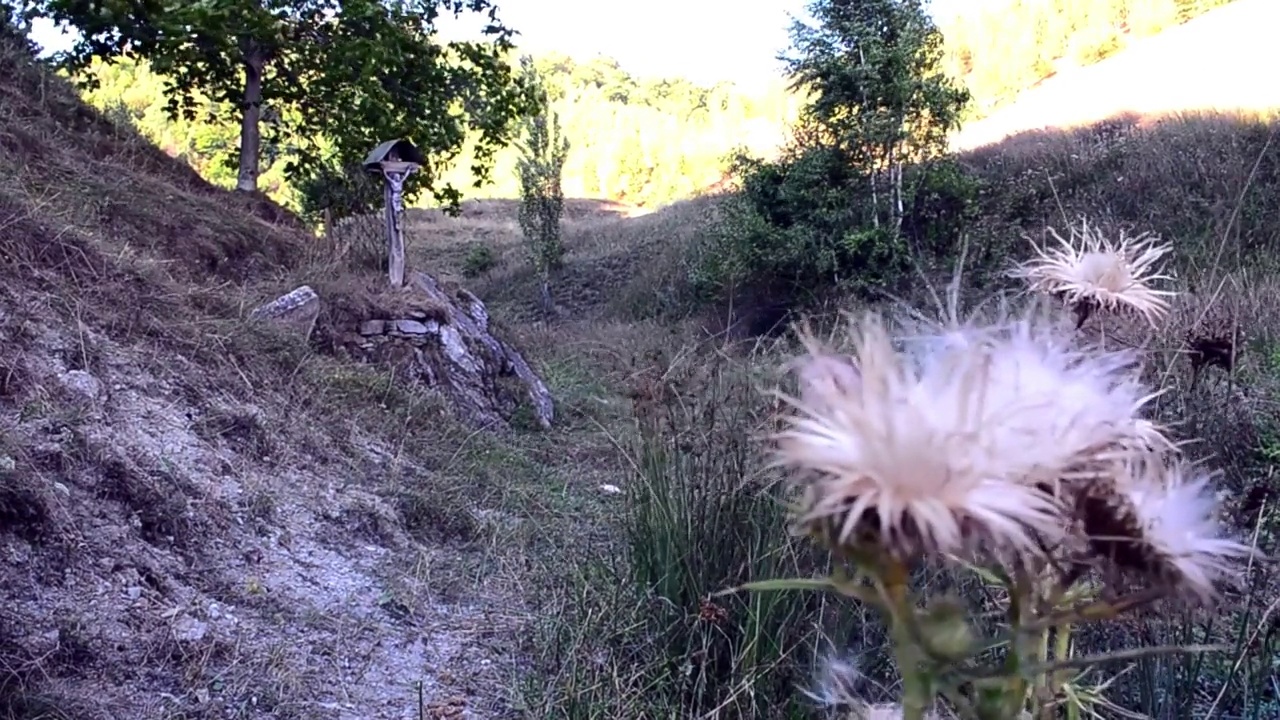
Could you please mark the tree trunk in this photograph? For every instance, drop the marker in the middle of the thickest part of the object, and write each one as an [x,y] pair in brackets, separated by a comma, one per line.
[875,194]
[544,290]
[250,128]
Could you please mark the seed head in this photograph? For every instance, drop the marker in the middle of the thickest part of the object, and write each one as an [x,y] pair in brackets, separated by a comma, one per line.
[1156,519]
[836,683]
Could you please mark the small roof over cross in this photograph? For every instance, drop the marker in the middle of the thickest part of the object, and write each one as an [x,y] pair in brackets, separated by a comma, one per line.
[393,154]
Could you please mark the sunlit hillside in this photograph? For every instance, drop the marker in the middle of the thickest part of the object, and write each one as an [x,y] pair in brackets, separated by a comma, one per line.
[999,48]
[645,141]
[1217,61]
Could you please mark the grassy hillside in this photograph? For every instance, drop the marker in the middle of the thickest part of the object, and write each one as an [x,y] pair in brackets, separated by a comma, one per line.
[1201,65]
[204,517]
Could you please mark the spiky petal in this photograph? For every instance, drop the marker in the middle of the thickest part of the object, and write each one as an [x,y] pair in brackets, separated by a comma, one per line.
[1089,270]
[1157,519]
[934,448]
[1087,400]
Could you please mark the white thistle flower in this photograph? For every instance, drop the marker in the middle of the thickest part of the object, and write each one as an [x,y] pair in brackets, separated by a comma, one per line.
[1086,399]
[929,450]
[1160,522]
[1091,271]
[835,684]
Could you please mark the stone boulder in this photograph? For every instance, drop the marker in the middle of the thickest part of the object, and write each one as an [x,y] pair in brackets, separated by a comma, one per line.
[297,310]
[442,337]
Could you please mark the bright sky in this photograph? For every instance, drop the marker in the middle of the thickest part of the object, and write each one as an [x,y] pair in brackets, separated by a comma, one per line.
[703,40]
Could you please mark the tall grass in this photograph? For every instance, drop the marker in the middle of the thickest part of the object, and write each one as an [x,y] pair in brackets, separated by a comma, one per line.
[645,635]
[700,516]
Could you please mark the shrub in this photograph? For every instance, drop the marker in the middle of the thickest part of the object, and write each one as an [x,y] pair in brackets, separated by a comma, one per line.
[342,191]
[859,194]
[541,164]
[480,260]
[804,224]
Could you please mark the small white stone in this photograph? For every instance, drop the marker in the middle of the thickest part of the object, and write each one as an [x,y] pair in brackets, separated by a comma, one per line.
[82,383]
[189,629]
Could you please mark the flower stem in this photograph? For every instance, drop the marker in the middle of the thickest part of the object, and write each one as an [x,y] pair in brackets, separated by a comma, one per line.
[915,683]
[1097,610]
[1025,647]
[1080,663]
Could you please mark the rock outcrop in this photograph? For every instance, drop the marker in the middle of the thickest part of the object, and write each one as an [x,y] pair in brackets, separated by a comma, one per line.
[446,343]
[433,334]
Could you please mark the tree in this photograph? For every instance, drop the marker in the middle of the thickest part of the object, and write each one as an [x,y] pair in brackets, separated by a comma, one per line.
[873,71]
[859,195]
[329,79]
[540,167]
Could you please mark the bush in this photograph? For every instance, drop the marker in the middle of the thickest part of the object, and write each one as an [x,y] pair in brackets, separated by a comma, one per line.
[861,194]
[342,191]
[480,260]
[803,225]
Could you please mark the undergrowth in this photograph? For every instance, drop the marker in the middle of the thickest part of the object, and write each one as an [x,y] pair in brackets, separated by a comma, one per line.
[647,633]
[623,645]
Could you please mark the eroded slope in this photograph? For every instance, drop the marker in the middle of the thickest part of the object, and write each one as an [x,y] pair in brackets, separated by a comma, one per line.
[200,516]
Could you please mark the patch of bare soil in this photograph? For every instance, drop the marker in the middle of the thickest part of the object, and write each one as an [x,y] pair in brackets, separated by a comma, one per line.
[169,556]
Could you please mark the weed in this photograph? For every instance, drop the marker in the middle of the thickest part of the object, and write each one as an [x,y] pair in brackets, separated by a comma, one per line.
[699,518]
[480,260]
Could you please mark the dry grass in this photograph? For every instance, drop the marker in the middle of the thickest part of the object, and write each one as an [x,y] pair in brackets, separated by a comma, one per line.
[618,256]
[343,518]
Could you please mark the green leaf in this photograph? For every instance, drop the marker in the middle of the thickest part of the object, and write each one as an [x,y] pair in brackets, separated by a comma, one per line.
[783,584]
